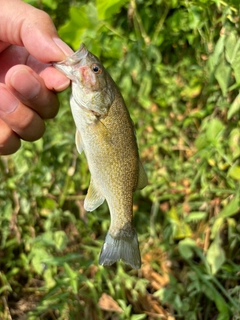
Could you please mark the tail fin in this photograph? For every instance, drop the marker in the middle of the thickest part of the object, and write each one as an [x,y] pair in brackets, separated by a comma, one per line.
[126,249]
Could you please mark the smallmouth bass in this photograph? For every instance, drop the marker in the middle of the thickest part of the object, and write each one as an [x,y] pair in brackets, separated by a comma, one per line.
[105,133]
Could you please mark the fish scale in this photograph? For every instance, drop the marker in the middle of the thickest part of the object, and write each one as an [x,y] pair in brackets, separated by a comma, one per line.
[105,133]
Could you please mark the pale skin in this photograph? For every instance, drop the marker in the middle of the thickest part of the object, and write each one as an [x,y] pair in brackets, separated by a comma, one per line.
[28,83]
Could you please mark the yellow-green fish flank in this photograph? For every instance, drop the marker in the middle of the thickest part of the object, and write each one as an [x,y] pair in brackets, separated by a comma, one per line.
[106,134]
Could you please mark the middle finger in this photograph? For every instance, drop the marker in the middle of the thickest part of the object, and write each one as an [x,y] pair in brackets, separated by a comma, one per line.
[30,89]
[21,119]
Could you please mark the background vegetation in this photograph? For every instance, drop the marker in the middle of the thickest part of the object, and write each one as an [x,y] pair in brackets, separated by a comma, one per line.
[177,64]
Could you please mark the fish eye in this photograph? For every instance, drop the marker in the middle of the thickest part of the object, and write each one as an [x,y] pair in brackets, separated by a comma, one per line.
[96,69]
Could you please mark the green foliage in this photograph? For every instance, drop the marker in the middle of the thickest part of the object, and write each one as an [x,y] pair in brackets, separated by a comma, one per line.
[177,64]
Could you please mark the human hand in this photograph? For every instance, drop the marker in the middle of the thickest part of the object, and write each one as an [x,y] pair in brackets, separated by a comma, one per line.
[28,43]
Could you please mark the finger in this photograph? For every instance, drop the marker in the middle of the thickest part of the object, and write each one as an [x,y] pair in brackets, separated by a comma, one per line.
[54,79]
[22,120]
[13,55]
[19,19]
[10,57]
[9,141]
[30,89]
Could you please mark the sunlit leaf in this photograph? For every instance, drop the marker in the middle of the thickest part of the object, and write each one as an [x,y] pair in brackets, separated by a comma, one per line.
[215,255]
[231,46]
[218,50]
[186,248]
[222,74]
[231,208]
[107,8]
[236,66]
[181,229]
[234,142]
[61,239]
[234,173]
[51,3]
[214,129]
[235,107]
[81,19]
[196,216]
[39,255]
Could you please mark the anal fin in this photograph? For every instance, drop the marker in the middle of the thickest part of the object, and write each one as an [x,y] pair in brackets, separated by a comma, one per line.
[93,198]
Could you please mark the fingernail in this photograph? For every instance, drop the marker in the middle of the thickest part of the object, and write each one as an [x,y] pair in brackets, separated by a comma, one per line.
[63,46]
[8,102]
[25,83]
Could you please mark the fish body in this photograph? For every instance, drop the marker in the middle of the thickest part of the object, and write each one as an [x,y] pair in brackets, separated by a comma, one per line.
[106,134]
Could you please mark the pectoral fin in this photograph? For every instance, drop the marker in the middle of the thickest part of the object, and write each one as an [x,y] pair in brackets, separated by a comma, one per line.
[78,141]
[93,198]
[142,177]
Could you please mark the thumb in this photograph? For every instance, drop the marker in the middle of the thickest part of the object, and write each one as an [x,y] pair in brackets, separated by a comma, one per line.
[24,25]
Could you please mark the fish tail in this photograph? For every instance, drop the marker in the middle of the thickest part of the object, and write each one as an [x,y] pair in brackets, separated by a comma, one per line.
[121,248]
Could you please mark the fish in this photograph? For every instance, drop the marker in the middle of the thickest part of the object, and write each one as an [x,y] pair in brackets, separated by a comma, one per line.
[105,133]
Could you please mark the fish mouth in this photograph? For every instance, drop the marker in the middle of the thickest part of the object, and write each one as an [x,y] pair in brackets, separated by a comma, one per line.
[72,60]
[76,57]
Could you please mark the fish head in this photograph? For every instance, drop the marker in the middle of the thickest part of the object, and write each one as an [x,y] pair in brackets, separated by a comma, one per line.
[91,83]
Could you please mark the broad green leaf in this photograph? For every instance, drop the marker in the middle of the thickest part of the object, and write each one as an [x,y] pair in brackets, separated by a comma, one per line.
[196,216]
[192,91]
[236,50]
[215,255]
[235,107]
[231,45]
[219,48]
[231,208]
[61,239]
[108,8]
[234,173]
[213,60]
[222,74]
[236,66]
[186,247]
[39,255]
[173,216]
[194,17]
[214,129]
[81,19]
[181,229]
[51,3]
[49,278]
[218,223]
[234,142]
[145,86]
[201,142]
